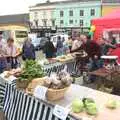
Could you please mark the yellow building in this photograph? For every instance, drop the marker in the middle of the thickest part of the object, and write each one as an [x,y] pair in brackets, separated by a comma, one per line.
[15,26]
[109,5]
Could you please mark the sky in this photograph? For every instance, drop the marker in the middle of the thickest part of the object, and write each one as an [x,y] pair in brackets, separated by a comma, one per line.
[17,6]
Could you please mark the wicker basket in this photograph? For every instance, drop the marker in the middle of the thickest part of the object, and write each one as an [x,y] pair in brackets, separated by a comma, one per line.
[32,85]
[53,94]
[22,84]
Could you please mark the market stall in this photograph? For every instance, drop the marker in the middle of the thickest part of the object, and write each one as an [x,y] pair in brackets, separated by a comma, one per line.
[107,26]
[21,106]
[28,93]
[57,64]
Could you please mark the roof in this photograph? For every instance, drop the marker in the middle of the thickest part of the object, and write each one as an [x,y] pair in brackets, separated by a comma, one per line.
[18,18]
[112,19]
[114,15]
[110,1]
[66,1]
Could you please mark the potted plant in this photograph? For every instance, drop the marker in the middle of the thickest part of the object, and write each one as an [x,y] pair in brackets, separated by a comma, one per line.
[30,71]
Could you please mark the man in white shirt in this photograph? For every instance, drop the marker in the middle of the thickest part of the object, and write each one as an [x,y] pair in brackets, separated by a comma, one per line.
[76,43]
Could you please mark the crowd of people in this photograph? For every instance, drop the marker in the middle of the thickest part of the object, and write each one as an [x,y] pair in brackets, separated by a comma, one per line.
[94,50]
[9,53]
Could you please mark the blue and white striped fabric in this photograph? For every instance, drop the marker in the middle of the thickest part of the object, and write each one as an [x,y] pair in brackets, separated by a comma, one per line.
[58,67]
[2,93]
[20,106]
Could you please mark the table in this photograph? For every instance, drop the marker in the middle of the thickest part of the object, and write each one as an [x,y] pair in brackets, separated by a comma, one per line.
[20,106]
[108,78]
[58,66]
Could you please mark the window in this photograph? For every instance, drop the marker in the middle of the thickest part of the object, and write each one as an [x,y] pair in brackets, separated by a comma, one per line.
[81,23]
[61,22]
[21,34]
[70,21]
[61,13]
[36,22]
[36,15]
[81,12]
[70,13]
[53,23]
[92,12]
[44,22]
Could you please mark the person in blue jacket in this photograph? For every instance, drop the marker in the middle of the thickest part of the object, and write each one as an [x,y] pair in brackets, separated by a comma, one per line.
[28,50]
[3,62]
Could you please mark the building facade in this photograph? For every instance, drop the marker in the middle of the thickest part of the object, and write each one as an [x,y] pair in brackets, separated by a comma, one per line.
[77,13]
[65,14]
[41,15]
[109,5]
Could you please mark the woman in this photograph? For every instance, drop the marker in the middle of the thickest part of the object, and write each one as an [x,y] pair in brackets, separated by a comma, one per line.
[59,46]
[12,53]
[28,50]
[70,42]
[49,49]
[3,62]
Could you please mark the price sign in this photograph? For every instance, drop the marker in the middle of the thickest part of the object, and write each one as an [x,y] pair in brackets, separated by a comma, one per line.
[40,92]
[61,112]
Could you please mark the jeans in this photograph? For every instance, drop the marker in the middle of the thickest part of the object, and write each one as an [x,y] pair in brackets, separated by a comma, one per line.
[94,65]
[3,65]
[59,51]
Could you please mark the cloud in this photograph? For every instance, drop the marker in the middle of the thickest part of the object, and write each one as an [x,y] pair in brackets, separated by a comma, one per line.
[17,6]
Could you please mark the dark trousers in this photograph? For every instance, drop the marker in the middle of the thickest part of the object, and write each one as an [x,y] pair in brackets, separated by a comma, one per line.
[12,62]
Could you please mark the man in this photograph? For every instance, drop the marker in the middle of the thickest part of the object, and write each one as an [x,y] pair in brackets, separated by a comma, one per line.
[93,51]
[105,46]
[90,47]
[76,43]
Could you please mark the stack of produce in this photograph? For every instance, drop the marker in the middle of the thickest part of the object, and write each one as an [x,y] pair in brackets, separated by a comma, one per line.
[30,71]
[58,81]
[86,104]
[89,106]
[57,85]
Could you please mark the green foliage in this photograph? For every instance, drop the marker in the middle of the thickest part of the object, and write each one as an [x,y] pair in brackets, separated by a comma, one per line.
[31,70]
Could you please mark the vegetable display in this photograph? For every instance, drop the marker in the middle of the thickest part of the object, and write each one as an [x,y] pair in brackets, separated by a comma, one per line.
[77,106]
[111,104]
[86,104]
[58,81]
[31,70]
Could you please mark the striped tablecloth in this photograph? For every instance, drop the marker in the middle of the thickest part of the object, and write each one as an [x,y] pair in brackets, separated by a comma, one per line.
[21,106]
[57,67]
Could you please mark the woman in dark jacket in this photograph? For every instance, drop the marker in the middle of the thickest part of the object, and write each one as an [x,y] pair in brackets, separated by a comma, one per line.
[28,50]
[49,49]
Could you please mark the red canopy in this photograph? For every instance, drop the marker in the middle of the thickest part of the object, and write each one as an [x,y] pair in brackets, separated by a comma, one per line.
[111,21]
